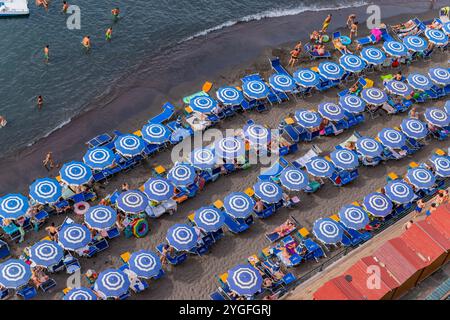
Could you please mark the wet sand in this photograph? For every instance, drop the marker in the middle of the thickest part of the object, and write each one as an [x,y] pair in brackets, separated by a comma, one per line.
[195,278]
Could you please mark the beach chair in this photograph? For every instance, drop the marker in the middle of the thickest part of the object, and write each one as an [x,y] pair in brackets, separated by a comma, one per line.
[47,285]
[235,226]
[217,296]
[277,67]
[367,40]
[178,259]
[113,233]
[27,293]
[99,140]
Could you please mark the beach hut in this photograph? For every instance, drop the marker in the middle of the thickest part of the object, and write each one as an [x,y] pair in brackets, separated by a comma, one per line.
[430,228]
[338,288]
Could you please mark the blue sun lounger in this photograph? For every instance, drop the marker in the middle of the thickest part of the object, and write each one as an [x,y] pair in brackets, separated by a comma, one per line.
[234,225]
[367,40]
[314,55]
[99,140]
[277,67]
[166,115]
[178,259]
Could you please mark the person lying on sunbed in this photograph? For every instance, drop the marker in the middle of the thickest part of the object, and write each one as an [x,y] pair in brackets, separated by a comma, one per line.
[38,276]
[404,27]
[350,145]
[434,25]
[340,46]
[287,227]
[319,49]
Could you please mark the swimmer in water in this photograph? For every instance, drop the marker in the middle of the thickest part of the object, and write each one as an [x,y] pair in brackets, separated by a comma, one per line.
[108,34]
[115,13]
[65,7]
[40,102]
[3,121]
[46,53]
[86,43]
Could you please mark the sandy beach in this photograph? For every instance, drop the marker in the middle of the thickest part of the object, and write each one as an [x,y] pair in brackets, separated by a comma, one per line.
[140,97]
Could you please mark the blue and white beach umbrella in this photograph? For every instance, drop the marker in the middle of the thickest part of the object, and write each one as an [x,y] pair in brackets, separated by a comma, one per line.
[209,219]
[447,107]
[80,294]
[46,253]
[306,78]
[328,231]
[255,89]
[330,70]
[268,191]
[399,192]
[395,48]
[293,179]
[440,76]
[257,134]
[45,190]
[129,145]
[230,148]
[203,158]
[398,87]
[344,159]
[308,119]
[112,283]
[282,82]
[155,133]
[419,82]
[369,147]
[352,63]
[14,273]
[182,237]
[238,205]
[374,96]
[415,43]
[158,189]
[437,117]
[182,175]
[437,37]
[414,128]
[74,236]
[203,104]
[245,280]
[392,138]
[100,217]
[145,263]
[75,173]
[353,217]
[230,96]
[377,204]
[331,111]
[320,167]
[441,165]
[352,103]
[421,178]
[99,158]
[132,201]
[13,206]
[373,55]
[446,28]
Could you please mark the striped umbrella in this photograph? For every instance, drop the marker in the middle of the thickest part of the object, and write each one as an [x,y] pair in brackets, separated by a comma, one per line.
[293,179]
[13,206]
[446,28]
[415,43]
[230,96]
[257,134]
[392,138]
[238,205]
[99,158]
[331,70]
[353,217]
[74,236]
[437,37]
[441,165]
[331,111]
[414,128]
[46,253]
[75,173]
[352,103]
[421,178]
[282,82]
[112,283]
[209,219]
[447,107]
[203,158]
[399,192]
[155,133]
[129,145]
[399,88]
[328,231]
[80,294]
[373,55]
[268,191]
[440,76]
[352,63]
[14,273]
[344,159]
[255,89]
[182,175]
[132,201]
[306,78]
[100,217]
[374,96]
[182,237]
[320,167]
[419,82]
[203,104]
[145,263]
[437,117]
[45,190]
[158,189]
[245,280]
[377,204]
[369,147]
[230,148]
[308,119]
[395,48]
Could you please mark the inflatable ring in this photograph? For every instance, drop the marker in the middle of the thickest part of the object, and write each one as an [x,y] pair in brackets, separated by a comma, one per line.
[140,228]
[80,208]
[325,38]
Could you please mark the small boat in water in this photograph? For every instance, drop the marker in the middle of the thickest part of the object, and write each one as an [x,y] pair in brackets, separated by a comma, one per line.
[13,8]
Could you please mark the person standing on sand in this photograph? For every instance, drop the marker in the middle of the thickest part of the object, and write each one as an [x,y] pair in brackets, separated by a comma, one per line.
[108,34]
[46,53]
[351,20]
[408,224]
[354,30]
[40,102]
[48,161]
[294,57]
[326,23]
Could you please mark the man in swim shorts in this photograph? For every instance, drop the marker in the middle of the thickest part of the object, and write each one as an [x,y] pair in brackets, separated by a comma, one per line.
[326,23]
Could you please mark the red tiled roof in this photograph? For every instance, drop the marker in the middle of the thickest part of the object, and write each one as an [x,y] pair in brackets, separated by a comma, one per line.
[440,219]
[434,233]
[337,289]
